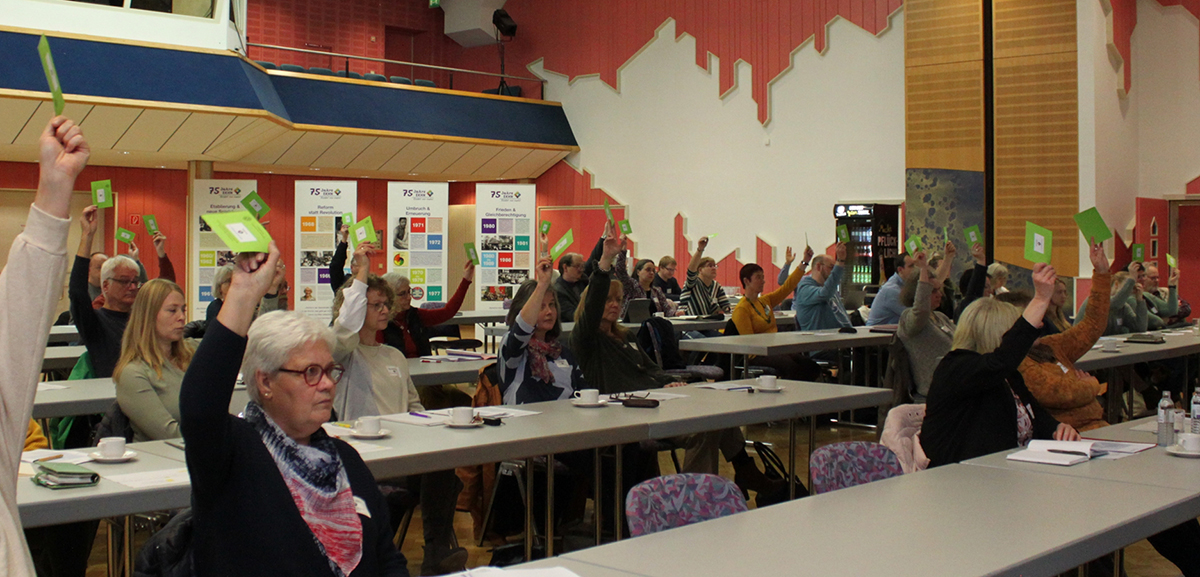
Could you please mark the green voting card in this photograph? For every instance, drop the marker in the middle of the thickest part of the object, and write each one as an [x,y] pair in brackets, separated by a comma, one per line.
[1038,243]
[240,231]
[151,224]
[843,233]
[102,194]
[51,75]
[1138,252]
[945,236]
[1092,225]
[362,231]
[256,205]
[1171,262]
[545,227]
[913,244]
[624,226]
[973,236]
[608,212]
[562,244]
[472,253]
[125,236]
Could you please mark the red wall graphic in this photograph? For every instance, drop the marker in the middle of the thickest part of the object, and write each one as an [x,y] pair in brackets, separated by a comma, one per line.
[1124,20]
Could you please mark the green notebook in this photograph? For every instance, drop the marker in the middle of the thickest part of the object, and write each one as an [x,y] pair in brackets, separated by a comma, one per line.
[59,475]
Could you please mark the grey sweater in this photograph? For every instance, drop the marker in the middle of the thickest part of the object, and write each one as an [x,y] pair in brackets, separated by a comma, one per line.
[927,336]
[1125,313]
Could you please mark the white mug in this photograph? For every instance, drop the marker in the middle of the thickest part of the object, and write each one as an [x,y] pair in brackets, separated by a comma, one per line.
[1189,442]
[367,425]
[462,415]
[112,447]
[588,396]
[1110,346]
[767,382]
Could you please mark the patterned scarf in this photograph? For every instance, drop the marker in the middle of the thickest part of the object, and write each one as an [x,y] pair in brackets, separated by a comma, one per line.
[320,488]
[538,351]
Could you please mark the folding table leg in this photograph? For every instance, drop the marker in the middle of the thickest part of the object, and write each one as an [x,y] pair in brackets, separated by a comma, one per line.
[127,521]
[618,498]
[596,498]
[111,542]
[529,509]
[812,445]
[791,458]
[549,505]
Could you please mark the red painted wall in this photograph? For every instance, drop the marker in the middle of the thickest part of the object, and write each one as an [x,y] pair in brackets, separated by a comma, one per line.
[1189,257]
[1154,210]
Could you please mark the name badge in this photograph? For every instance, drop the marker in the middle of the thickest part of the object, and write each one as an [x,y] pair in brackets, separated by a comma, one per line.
[562,363]
[360,507]
[1063,367]
[394,371]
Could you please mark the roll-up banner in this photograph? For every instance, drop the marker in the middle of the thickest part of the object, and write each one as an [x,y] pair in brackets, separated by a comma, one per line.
[320,205]
[418,220]
[506,238]
[207,252]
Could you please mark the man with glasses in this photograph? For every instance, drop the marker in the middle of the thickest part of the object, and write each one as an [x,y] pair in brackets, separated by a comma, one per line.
[569,284]
[665,279]
[818,302]
[165,268]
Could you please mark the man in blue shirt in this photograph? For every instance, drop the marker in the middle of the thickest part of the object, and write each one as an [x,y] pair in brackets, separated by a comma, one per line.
[818,302]
[886,308]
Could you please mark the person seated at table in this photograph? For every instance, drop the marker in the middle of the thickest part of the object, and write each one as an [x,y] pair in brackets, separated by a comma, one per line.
[949,298]
[570,283]
[973,284]
[612,363]
[536,366]
[886,308]
[220,284]
[1127,312]
[272,493]
[702,294]
[997,278]
[154,357]
[978,403]
[665,279]
[641,285]
[755,314]
[98,259]
[925,332]
[818,301]
[1057,320]
[409,327]
[377,382]
[30,286]
[337,265]
[1159,306]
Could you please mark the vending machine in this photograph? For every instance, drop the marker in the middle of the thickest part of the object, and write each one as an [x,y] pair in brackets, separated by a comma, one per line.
[874,239]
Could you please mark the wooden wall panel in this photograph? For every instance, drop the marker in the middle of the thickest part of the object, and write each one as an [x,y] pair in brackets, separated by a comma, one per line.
[942,31]
[944,116]
[1024,28]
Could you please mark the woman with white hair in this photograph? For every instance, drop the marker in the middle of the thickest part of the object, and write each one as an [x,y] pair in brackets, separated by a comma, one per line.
[997,278]
[273,494]
[220,284]
[978,403]
[409,329]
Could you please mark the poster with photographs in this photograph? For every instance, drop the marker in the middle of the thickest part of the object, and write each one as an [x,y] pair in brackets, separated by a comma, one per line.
[207,252]
[506,237]
[320,205]
[418,220]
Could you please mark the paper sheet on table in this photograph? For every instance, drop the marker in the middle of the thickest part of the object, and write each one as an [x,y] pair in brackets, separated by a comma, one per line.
[50,387]
[161,478]
[74,457]
[362,447]
[501,572]
[1151,427]
[502,411]
[660,396]
[1123,448]
[25,470]
[429,420]
[726,386]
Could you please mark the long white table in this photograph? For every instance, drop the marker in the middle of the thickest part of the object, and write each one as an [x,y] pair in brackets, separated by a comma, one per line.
[1178,344]
[477,317]
[58,358]
[680,325]
[63,334]
[94,396]
[767,344]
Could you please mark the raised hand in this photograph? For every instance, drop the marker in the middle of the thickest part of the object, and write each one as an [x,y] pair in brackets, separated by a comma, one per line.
[1096,254]
[133,251]
[88,221]
[921,260]
[1043,281]
[543,273]
[279,278]
[808,254]
[979,254]
[160,244]
[363,252]
[469,271]
[343,232]
[702,243]
[1173,280]
[253,275]
[840,251]
[1135,268]
[63,152]
[951,251]
[789,256]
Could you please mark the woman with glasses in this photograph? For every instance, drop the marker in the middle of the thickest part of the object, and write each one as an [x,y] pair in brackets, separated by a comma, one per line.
[702,294]
[154,357]
[536,367]
[409,329]
[641,285]
[273,494]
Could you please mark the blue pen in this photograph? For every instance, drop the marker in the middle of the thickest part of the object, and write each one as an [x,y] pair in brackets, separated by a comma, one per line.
[419,415]
[740,388]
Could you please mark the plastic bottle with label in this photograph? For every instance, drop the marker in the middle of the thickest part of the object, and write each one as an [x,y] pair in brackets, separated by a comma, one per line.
[1195,414]
[1166,420]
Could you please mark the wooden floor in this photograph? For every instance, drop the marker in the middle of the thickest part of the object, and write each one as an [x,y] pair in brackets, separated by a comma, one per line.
[1141,559]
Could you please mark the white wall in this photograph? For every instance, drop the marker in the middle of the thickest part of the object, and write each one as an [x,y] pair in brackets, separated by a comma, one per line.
[668,143]
[127,24]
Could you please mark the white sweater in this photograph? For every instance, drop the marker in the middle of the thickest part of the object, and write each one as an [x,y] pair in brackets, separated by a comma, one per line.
[29,289]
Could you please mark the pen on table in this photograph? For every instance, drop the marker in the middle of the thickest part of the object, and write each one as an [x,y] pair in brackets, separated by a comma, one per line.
[416,414]
[745,388]
[343,425]
[48,458]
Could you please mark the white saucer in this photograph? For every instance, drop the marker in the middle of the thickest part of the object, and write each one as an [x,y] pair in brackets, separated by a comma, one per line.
[381,434]
[1179,452]
[597,404]
[97,457]
[766,390]
[467,426]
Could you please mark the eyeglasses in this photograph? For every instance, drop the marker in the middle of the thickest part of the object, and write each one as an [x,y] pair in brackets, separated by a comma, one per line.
[624,396]
[131,283]
[313,373]
[403,293]
[378,307]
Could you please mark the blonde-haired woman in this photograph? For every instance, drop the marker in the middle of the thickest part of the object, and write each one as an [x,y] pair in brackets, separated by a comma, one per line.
[978,403]
[154,358]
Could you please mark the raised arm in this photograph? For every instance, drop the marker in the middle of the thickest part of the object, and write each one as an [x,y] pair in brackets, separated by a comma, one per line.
[337,264]
[434,317]
[922,309]
[588,325]
[166,270]
[694,264]
[354,307]
[946,266]
[1077,340]
[1043,285]
[533,307]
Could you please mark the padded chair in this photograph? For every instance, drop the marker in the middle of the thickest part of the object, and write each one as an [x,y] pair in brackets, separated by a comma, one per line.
[662,338]
[447,336]
[265,64]
[425,83]
[400,80]
[351,74]
[676,500]
[375,77]
[292,68]
[321,71]
[902,434]
[843,465]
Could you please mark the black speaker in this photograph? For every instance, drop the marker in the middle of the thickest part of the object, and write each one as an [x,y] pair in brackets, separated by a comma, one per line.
[504,23]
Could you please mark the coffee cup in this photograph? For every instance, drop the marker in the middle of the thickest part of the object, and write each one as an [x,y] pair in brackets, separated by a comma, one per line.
[462,415]
[112,447]
[1189,442]
[767,382]
[367,425]
[588,396]
[1110,346]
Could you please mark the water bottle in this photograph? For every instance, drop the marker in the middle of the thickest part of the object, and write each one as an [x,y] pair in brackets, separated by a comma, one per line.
[1166,421]
[1195,414]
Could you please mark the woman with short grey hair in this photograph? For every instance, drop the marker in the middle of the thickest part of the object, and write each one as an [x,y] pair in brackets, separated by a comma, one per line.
[220,284]
[273,494]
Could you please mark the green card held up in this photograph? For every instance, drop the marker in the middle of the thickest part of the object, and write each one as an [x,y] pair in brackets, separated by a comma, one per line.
[1138,252]
[843,233]
[1092,225]
[125,236]
[362,231]
[102,194]
[240,231]
[151,224]
[256,205]
[913,244]
[1171,262]
[608,212]
[973,236]
[1039,243]
[625,227]
[562,244]
[544,228]
[51,75]
[472,253]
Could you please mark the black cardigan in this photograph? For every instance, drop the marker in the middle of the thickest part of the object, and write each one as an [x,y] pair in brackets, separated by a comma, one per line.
[970,410]
[246,522]
[101,330]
